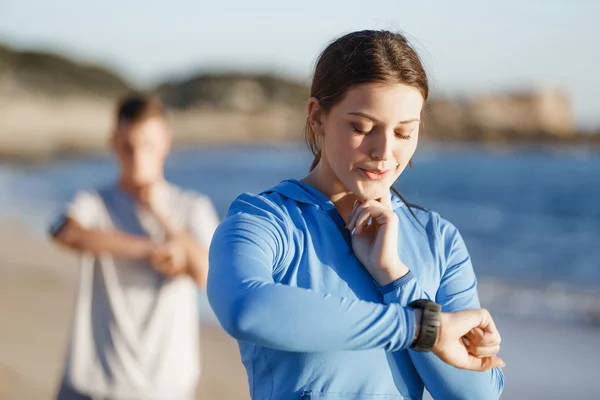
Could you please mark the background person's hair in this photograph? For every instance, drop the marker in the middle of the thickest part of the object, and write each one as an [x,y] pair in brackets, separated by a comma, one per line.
[137,107]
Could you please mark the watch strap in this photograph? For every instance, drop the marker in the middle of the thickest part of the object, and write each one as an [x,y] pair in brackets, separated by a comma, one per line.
[430,324]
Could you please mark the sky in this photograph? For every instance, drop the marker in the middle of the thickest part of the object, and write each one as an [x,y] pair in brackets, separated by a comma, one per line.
[468,46]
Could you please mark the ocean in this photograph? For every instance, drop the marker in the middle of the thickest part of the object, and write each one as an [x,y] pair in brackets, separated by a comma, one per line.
[530,216]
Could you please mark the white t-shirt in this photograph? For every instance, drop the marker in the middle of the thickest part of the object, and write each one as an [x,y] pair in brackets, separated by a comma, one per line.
[135,333]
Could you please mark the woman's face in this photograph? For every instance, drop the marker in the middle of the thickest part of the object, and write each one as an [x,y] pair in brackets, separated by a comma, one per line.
[370,136]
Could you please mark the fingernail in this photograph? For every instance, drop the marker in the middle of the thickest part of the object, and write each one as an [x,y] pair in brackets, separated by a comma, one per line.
[353,230]
[503,365]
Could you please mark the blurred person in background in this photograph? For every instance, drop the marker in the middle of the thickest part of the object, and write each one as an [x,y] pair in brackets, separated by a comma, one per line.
[144,251]
[310,271]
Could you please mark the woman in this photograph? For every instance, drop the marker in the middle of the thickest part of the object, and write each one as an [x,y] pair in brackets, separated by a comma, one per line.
[310,271]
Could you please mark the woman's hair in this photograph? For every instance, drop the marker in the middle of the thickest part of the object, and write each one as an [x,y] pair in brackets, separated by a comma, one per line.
[368,56]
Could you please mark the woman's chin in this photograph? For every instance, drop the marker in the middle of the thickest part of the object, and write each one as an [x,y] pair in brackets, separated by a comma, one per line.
[371,190]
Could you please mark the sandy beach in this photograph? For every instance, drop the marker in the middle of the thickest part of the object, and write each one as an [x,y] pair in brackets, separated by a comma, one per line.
[37,287]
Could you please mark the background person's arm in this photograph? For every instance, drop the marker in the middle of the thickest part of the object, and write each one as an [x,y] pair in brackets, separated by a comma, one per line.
[78,228]
[194,238]
[118,244]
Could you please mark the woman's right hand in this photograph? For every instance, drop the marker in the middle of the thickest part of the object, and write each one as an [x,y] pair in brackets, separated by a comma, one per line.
[376,244]
[477,352]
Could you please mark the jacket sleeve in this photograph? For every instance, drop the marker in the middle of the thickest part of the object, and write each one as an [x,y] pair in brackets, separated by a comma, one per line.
[251,307]
[457,291]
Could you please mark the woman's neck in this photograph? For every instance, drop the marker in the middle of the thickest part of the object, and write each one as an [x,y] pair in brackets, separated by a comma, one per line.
[324,180]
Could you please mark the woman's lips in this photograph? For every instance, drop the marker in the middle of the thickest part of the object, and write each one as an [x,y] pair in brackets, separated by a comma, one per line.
[375,174]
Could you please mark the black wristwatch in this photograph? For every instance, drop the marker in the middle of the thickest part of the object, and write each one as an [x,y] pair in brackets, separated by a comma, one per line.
[430,324]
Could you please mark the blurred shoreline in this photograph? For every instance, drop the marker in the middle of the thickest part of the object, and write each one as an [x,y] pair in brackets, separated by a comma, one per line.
[53,107]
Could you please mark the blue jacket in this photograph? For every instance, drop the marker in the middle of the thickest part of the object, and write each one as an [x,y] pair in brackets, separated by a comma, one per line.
[310,321]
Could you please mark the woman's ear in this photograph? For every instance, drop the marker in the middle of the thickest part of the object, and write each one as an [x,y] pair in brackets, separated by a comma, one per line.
[315,116]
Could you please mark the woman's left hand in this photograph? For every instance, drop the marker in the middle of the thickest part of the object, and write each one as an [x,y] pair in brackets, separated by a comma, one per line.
[376,244]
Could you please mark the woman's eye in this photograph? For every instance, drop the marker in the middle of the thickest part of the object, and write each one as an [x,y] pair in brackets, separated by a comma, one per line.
[405,134]
[360,131]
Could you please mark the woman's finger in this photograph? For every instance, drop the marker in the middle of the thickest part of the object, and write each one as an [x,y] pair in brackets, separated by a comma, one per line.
[379,214]
[352,213]
[476,347]
[361,217]
[482,338]
[488,327]
[483,351]
[361,220]
[355,212]
[374,213]
[366,206]
[466,341]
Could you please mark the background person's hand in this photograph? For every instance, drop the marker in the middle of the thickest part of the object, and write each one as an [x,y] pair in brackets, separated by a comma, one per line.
[468,340]
[170,258]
